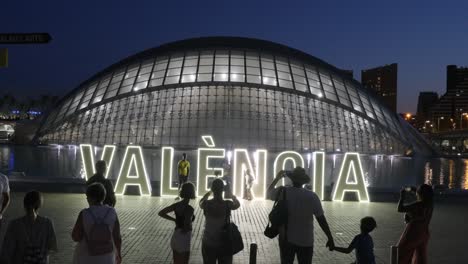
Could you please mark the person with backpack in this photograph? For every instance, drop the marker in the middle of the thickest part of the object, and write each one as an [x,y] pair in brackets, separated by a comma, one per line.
[101,168]
[97,231]
[296,235]
[216,211]
[31,238]
[183,211]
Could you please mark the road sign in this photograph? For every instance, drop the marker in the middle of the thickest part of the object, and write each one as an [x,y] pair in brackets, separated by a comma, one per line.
[25,38]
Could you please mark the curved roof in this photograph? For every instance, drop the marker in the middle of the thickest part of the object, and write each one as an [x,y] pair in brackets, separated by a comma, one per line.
[225,60]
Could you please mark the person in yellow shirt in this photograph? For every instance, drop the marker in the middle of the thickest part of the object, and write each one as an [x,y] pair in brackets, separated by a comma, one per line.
[183,169]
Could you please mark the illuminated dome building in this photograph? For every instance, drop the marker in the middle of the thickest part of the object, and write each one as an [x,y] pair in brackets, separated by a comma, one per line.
[246,93]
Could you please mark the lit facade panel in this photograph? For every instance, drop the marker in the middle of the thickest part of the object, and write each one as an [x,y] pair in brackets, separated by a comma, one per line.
[250,96]
[236,116]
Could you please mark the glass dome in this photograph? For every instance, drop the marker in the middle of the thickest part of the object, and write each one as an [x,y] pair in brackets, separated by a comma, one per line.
[244,92]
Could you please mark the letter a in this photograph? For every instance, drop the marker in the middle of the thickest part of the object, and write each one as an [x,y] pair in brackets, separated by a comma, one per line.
[351,163]
[133,158]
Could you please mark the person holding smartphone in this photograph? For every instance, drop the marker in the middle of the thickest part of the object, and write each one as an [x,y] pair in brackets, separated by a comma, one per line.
[297,237]
[215,211]
[412,247]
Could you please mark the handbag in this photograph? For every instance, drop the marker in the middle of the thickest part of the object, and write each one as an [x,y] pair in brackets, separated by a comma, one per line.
[231,237]
[278,216]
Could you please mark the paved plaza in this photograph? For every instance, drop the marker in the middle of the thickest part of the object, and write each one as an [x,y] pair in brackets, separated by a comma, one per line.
[146,236]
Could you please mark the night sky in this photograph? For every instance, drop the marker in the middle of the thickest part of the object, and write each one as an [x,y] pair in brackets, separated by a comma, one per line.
[91,35]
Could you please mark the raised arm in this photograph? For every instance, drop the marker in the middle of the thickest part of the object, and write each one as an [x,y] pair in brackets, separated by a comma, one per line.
[402,207]
[277,178]
[235,203]
[164,213]
[326,229]
[204,199]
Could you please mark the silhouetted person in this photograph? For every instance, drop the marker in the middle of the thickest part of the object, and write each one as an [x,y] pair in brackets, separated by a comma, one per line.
[31,238]
[362,243]
[248,184]
[101,168]
[97,231]
[297,237]
[412,247]
[183,169]
[215,211]
[4,196]
[184,216]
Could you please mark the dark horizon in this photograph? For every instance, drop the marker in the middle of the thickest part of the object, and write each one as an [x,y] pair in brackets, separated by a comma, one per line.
[423,38]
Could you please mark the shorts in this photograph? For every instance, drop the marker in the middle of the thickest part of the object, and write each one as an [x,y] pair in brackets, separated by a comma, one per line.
[182,179]
[180,241]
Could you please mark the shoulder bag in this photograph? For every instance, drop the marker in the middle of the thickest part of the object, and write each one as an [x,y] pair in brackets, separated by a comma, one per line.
[278,216]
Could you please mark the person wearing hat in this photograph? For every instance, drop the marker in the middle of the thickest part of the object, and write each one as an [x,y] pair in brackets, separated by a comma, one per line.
[297,237]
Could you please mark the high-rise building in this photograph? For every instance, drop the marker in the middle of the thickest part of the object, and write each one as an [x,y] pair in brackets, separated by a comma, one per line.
[426,100]
[451,111]
[383,81]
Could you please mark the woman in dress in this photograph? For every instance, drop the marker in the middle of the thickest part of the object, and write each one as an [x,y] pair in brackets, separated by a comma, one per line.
[184,216]
[31,238]
[215,211]
[249,181]
[412,247]
[97,231]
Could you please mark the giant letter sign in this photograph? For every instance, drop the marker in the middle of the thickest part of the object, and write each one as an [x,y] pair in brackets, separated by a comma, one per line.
[241,164]
[167,157]
[87,156]
[351,164]
[319,174]
[283,157]
[204,171]
[133,158]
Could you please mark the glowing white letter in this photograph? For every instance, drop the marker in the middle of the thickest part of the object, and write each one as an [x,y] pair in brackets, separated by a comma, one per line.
[133,158]
[87,157]
[319,174]
[204,171]
[167,157]
[351,163]
[241,164]
[283,157]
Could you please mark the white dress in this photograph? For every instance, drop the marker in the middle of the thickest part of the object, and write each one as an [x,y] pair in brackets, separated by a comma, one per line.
[81,255]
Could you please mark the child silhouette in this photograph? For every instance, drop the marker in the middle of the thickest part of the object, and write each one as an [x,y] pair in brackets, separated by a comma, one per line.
[362,243]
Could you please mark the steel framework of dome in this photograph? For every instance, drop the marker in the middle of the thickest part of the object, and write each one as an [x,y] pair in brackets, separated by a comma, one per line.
[244,92]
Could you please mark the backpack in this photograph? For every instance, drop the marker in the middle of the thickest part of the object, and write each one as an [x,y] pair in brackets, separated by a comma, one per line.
[99,239]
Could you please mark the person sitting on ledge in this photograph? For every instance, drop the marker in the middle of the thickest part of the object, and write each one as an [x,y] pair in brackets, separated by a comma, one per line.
[101,168]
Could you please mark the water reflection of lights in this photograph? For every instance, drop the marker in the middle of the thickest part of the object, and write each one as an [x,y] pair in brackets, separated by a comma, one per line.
[464,183]
[428,173]
[451,174]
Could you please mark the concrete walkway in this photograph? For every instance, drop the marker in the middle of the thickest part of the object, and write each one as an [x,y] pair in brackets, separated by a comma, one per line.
[146,236]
